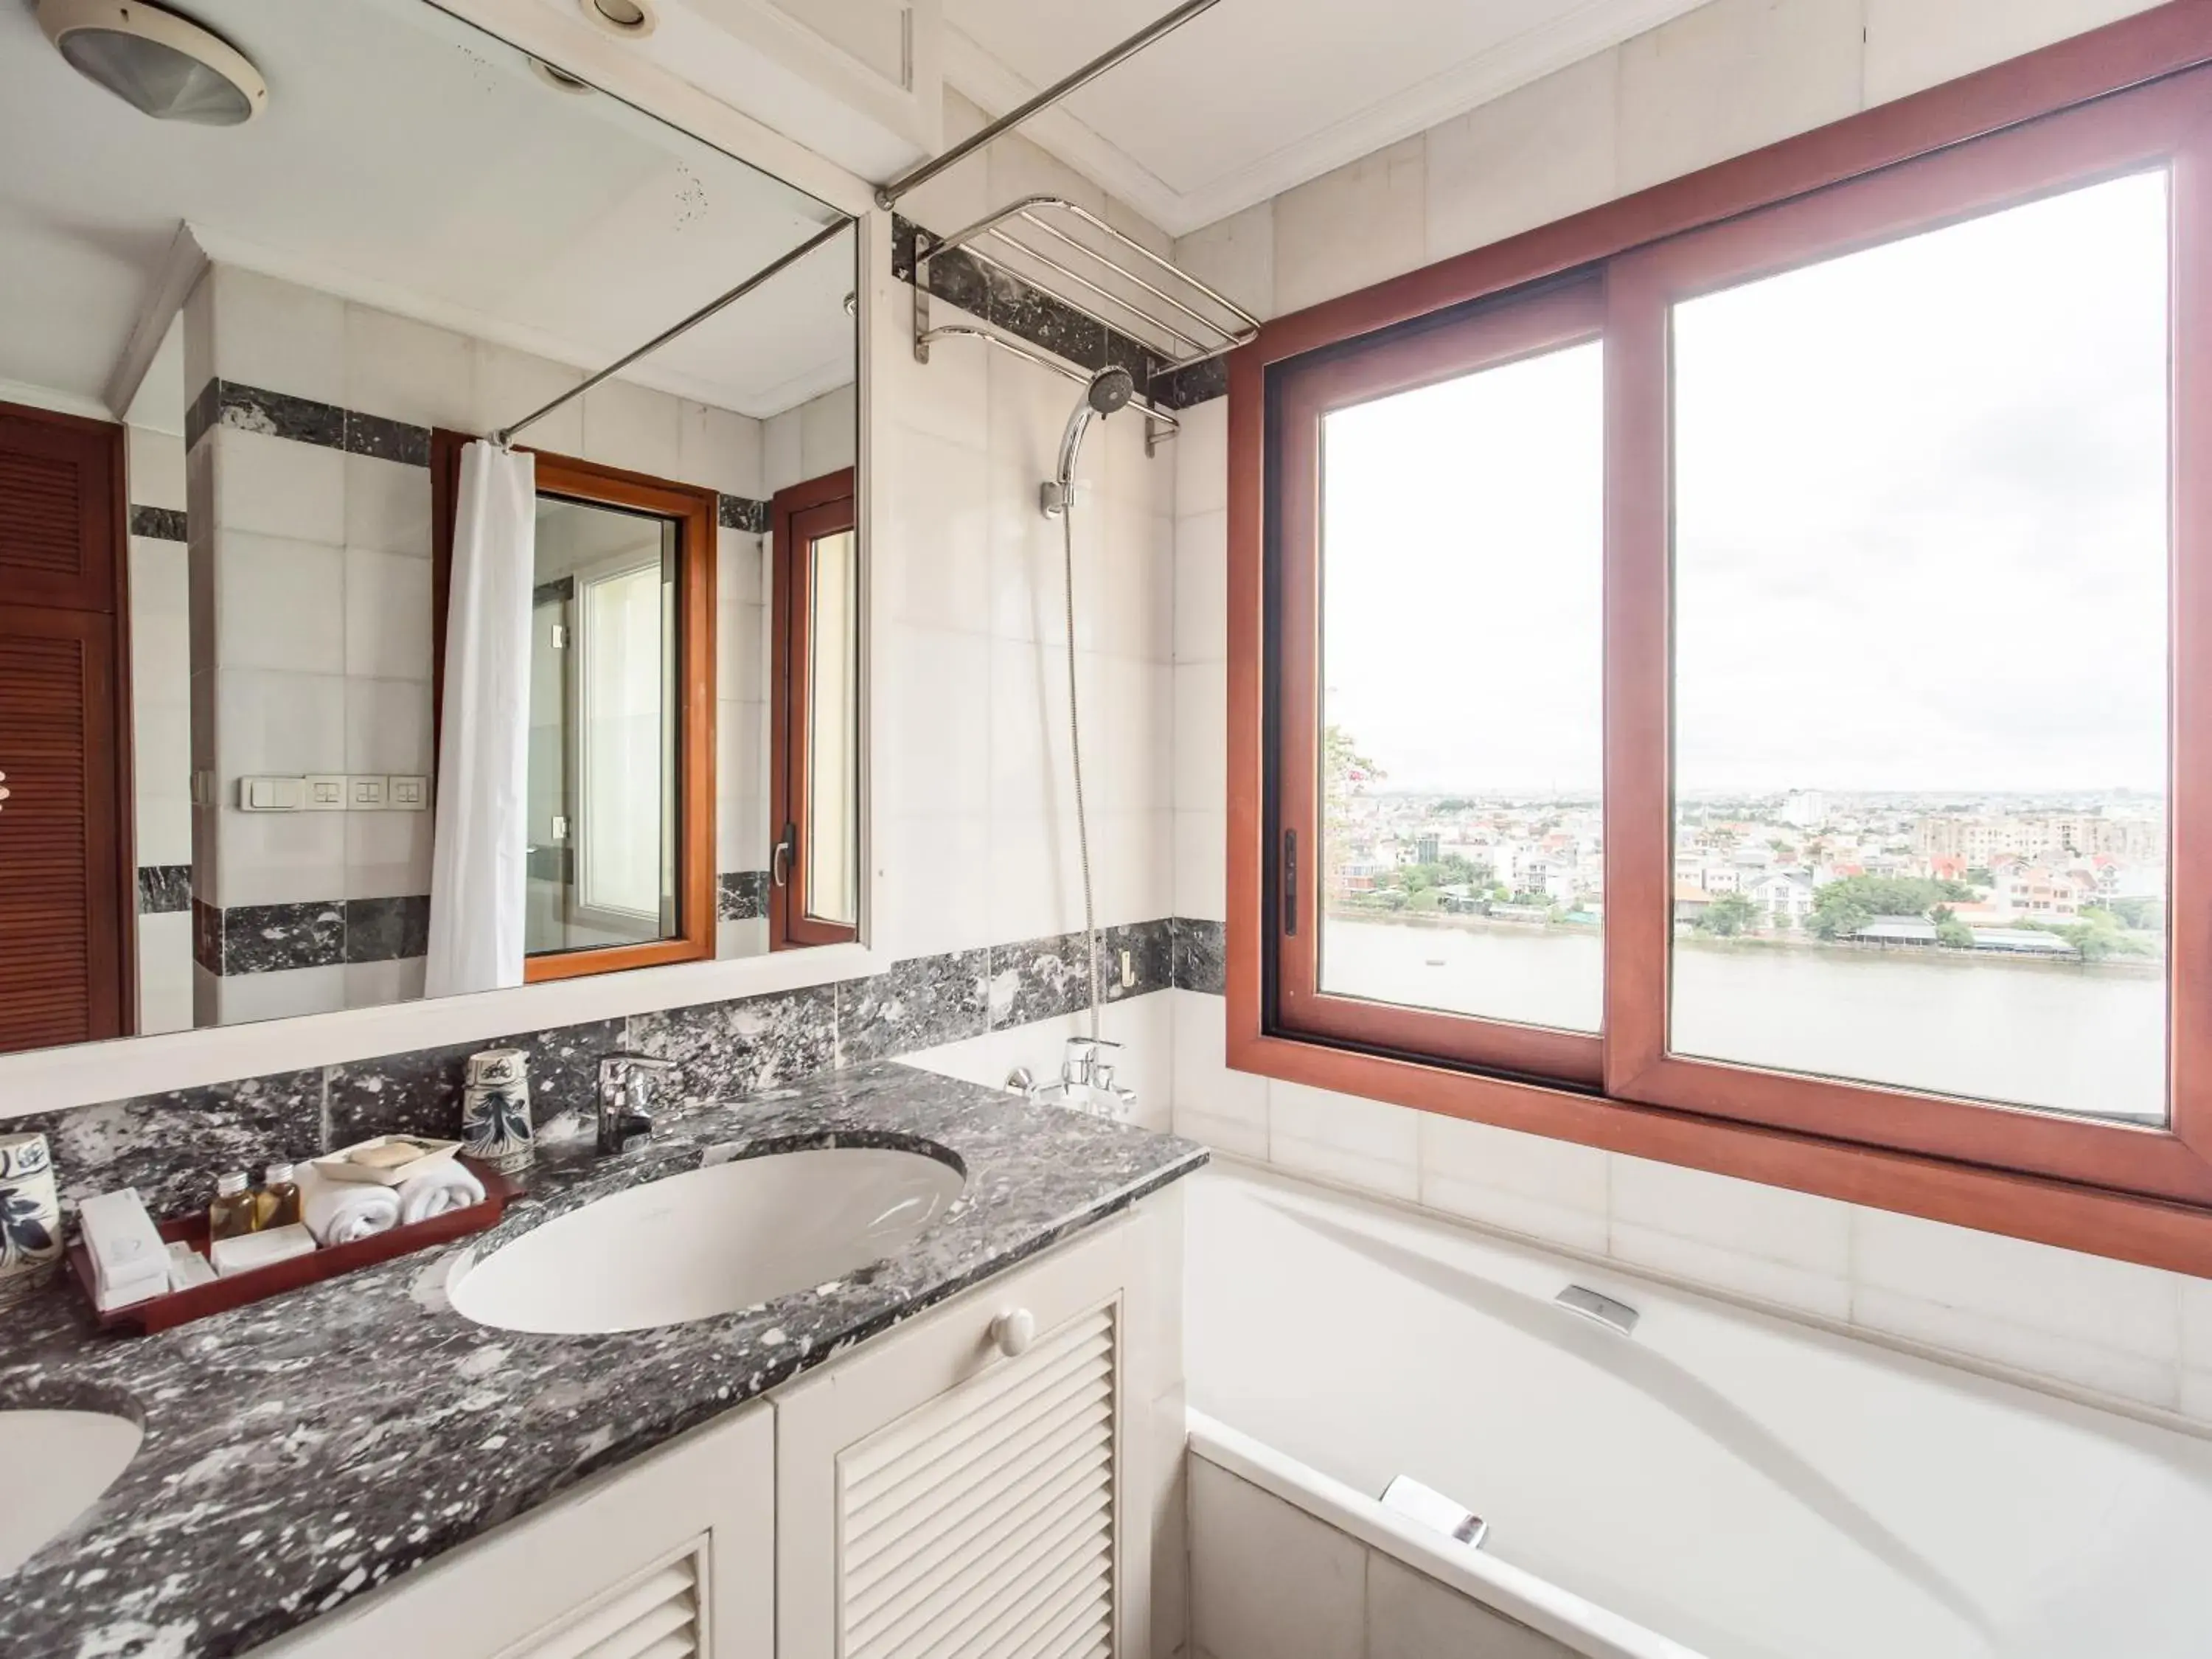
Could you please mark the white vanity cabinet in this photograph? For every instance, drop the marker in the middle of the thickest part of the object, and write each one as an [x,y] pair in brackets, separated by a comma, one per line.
[998,1478]
[665,1558]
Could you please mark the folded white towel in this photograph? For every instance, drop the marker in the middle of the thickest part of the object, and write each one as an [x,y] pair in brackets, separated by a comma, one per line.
[447,1186]
[341,1211]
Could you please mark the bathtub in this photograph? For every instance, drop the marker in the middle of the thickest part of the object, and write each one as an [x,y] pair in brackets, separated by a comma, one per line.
[1714,1485]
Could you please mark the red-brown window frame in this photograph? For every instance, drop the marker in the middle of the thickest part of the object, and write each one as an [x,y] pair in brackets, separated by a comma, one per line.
[695,512]
[2132,94]
[799,516]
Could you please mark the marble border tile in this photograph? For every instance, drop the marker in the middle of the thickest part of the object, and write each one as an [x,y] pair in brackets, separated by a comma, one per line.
[724,1050]
[741,513]
[1201,956]
[386,929]
[419,1091]
[386,441]
[161,524]
[741,895]
[280,415]
[915,1005]
[263,939]
[164,888]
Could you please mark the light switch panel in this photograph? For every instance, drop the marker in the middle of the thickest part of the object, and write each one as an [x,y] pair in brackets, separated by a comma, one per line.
[326,793]
[408,795]
[365,794]
[271,794]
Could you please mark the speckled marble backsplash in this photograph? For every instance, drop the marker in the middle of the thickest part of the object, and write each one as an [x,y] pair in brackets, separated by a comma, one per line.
[172,1145]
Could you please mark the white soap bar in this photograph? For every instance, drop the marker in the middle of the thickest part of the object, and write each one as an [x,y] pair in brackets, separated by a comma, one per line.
[250,1250]
[188,1267]
[122,1292]
[120,1237]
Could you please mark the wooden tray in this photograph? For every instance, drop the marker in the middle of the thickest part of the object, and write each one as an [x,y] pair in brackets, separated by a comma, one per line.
[160,1313]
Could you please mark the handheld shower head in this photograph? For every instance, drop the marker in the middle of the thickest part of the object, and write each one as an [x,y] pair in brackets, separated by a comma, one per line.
[1109,389]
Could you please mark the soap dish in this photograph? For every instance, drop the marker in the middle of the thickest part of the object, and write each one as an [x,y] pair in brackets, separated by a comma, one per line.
[338,1166]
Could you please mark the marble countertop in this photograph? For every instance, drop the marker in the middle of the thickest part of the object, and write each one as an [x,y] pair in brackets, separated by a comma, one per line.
[304,1450]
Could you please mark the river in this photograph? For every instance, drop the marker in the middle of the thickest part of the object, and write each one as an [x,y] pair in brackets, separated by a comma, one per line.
[2069,1037]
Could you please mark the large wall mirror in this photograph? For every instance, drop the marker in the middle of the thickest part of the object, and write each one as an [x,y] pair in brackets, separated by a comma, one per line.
[243,367]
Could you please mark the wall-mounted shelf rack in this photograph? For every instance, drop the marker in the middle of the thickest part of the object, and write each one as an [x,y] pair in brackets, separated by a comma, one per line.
[1051,253]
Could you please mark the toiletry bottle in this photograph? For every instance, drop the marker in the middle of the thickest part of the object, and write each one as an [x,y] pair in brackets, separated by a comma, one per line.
[235,1210]
[278,1203]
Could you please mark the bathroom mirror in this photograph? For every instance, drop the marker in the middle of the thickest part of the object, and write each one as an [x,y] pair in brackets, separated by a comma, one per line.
[239,368]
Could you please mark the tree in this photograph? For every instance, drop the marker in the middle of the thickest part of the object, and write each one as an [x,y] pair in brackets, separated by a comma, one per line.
[1840,908]
[1730,915]
[1950,930]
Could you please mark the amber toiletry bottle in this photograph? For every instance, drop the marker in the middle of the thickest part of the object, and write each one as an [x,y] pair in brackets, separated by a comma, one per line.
[278,1203]
[235,1210]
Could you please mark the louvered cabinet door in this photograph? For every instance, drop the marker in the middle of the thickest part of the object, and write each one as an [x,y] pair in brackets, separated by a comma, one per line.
[669,1557]
[940,1499]
[61,911]
[60,510]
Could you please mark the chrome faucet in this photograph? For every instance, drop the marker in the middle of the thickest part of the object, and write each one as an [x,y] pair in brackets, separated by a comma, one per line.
[1086,1081]
[626,1100]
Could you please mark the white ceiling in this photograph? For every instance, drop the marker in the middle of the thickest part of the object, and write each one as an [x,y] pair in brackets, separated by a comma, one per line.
[1254,96]
[412,162]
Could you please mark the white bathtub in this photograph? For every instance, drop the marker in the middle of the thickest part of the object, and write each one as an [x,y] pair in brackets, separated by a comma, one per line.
[1717,1484]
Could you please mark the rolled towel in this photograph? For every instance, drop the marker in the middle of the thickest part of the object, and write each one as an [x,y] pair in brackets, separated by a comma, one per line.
[341,1211]
[448,1186]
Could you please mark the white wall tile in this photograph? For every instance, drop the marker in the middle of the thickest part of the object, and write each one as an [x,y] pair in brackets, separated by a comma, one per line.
[939,755]
[388,726]
[1202,450]
[1550,1190]
[1914,43]
[387,854]
[938,882]
[1201,843]
[1029,561]
[245,997]
[828,431]
[938,542]
[374,984]
[2107,1324]
[276,335]
[1540,153]
[1133,864]
[155,464]
[388,623]
[1352,1142]
[276,857]
[279,604]
[781,463]
[505,385]
[1131,578]
[1268,1580]
[1352,228]
[1411,1616]
[720,449]
[1732,77]
[1030,746]
[387,506]
[276,487]
[403,370]
[1236,257]
[1201,738]
[1037,879]
[165,972]
[1222,1108]
[1778,1246]
[277,722]
[633,427]
[1129,733]
[1202,587]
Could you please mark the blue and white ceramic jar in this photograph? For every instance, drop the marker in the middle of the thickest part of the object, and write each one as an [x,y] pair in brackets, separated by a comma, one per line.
[495,1110]
[30,1217]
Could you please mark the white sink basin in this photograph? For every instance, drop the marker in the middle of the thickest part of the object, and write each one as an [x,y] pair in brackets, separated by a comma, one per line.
[57,1462]
[708,1242]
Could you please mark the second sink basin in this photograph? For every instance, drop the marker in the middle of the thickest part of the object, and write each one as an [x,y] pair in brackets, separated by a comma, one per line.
[708,1242]
[57,1463]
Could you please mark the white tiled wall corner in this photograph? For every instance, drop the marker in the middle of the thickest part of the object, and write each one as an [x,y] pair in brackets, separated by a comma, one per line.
[272,486]
[1236,257]
[387,506]
[633,427]
[720,449]
[1346,229]
[274,335]
[1367,1144]
[242,998]
[1222,1108]
[403,370]
[153,462]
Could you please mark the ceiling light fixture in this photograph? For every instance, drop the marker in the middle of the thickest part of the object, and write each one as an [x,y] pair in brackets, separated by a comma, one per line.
[160,64]
[632,19]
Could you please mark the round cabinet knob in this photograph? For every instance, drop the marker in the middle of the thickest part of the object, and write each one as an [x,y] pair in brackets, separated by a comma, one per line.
[1013,1331]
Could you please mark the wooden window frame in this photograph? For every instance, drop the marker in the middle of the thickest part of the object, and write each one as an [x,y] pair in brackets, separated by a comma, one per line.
[2132,94]
[798,516]
[696,512]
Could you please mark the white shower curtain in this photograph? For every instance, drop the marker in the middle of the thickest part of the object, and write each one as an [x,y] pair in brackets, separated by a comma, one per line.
[479,861]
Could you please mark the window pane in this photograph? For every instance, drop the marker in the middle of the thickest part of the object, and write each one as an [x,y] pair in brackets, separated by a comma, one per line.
[1461,542]
[603,706]
[1921,661]
[833,701]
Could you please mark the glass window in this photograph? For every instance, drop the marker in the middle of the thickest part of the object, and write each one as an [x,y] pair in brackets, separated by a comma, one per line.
[1461,533]
[1920,557]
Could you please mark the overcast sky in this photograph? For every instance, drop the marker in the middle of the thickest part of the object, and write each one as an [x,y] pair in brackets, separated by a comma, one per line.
[1920,541]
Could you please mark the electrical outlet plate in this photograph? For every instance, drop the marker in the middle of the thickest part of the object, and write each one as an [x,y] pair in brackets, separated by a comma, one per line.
[408,794]
[326,793]
[366,792]
[265,794]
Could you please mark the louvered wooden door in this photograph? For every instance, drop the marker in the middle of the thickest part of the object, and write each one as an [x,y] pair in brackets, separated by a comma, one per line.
[938,1499]
[67,892]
